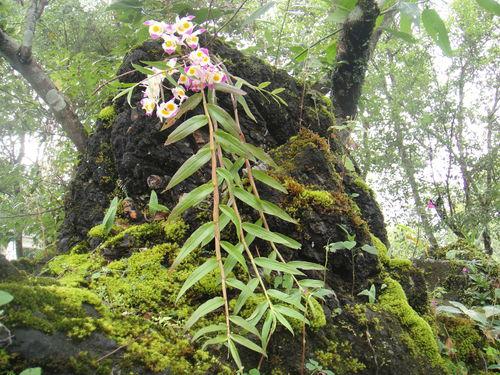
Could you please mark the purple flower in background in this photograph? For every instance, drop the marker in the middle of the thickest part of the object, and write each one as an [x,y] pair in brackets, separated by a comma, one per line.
[465,270]
[431,204]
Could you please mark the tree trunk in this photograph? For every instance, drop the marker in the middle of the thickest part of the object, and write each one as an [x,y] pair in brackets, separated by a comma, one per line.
[19,245]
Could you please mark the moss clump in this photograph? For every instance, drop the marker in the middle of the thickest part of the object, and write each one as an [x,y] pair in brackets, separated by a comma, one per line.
[175,230]
[400,264]
[419,336]
[107,114]
[381,250]
[316,315]
[460,249]
[72,269]
[99,232]
[80,248]
[51,308]
[338,358]
[466,341]
[361,184]
[137,235]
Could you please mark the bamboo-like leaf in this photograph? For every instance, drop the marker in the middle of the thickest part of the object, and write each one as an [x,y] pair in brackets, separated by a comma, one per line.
[208,329]
[235,354]
[275,265]
[190,166]
[126,91]
[268,180]
[284,322]
[249,344]
[272,209]
[285,310]
[191,199]
[197,237]
[109,217]
[235,170]
[204,309]
[258,13]
[248,198]
[214,341]
[157,64]
[190,104]
[244,104]
[233,145]
[259,311]
[287,298]
[491,6]
[229,212]
[267,235]
[268,328]
[311,283]
[223,118]
[436,29]
[260,154]
[235,252]
[142,69]
[222,87]
[186,128]
[246,292]
[308,266]
[197,275]
[226,175]
[239,321]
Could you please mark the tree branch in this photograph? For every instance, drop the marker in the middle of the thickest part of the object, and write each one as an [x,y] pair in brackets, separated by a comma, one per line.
[32,15]
[45,88]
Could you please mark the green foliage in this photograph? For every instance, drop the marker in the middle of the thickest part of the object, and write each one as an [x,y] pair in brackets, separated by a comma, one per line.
[5,297]
[109,217]
[32,371]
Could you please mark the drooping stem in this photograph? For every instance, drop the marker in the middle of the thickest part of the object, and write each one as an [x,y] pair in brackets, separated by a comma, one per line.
[215,216]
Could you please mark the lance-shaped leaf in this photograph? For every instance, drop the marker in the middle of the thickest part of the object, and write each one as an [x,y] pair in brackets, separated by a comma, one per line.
[249,344]
[436,29]
[248,198]
[233,145]
[208,329]
[191,199]
[268,180]
[244,104]
[274,265]
[215,341]
[267,235]
[235,252]
[235,354]
[491,6]
[229,212]
[311,283]
[268,328]
[190,104]
[223,118]
[142,69]
[204,309]
[222,87]
[246,291]
[190,166]
[154,206]
[287,298]
[157,64]
[260,154]
[272,209]
[308,266]
[259,311]
[186,128]
[202,234]
[258,13]
[197,275]
[239,321]
[283,321]
[109,218]
[285,310]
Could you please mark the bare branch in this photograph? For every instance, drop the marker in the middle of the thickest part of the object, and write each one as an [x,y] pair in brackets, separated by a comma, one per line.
[45,88]
[32,15]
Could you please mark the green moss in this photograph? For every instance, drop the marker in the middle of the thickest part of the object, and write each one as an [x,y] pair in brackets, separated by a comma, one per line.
[98,231]
[466,341]
[401,264]
[80,248]
[337,357]
[107,114]
[360,183]
[316,315]
[418,336]
[72,269]
[382,250]
[175,230]
[460,249]
[139,234]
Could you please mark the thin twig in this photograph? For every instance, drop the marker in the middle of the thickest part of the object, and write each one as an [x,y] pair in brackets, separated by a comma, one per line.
[112,352]
[228,21]
[281,34]
[111,80]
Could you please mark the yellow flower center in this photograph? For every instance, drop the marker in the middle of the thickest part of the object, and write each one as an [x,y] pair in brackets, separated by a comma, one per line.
[170,107]
[217,77]
[181,92]
[156,28]
[186,25]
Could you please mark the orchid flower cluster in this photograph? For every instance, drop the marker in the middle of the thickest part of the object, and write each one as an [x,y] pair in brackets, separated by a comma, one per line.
[193,70]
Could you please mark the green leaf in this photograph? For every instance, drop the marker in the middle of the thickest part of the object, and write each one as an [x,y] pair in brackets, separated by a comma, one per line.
[233,145]
[268,180]
[229,212]
[300,53]
[154,206]
[249,344]
[157,64]
[491,6]
[5,297]
[208,329]
[186,128]
[287,298]
[260,154]
[283,321]
[268,328]
[239,321]
[224,118]
[197,275]
[109,218]
[369,249]
[246,291]
[311,283]
[204,309]
[248,198]
[32,371]
[190,104]
[308,266]
[244,104]
[436,29]
[272,209]
[214,341]
[235,252]
[200,235]
[275,265]
[408,38]
[191,199]
[259,311]
[258,13]
[222,87]
[190,166]
[285,310]
[267,235]
[142,69]
[235,354]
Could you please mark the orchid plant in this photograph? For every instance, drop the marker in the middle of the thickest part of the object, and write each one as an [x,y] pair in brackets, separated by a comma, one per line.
[190,76]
